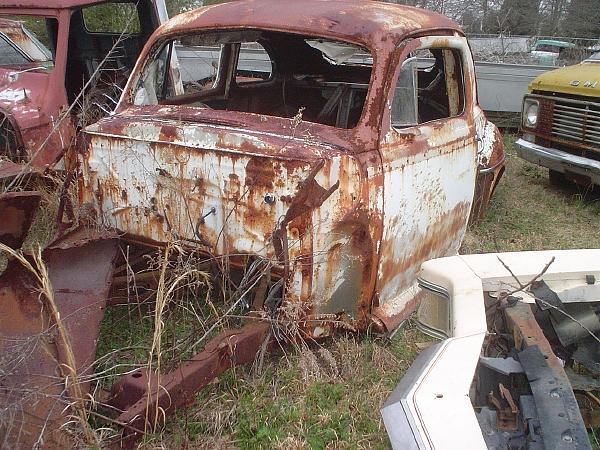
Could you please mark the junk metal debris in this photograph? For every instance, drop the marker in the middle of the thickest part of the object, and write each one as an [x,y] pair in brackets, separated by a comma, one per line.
[33,395]
[17,210]
[521,384]
[328,180]
[178,388]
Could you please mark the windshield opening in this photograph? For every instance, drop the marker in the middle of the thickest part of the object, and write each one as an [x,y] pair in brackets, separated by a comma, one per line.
[261,72]
[26,41]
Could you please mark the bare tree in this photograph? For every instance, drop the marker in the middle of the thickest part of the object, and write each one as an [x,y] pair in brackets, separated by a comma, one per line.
[583,19]
[520,16]
[552,13]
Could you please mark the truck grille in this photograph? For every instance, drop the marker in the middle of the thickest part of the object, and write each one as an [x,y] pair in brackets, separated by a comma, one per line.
[578,121]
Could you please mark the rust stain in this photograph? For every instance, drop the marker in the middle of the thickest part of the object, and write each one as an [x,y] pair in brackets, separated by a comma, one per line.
[440,235]
[17,210]
[27,331]
[260,173]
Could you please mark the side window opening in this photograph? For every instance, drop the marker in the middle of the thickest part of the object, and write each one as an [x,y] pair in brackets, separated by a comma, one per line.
[254,64]
[263,72]
[198,65]
[404,106]
[430,87]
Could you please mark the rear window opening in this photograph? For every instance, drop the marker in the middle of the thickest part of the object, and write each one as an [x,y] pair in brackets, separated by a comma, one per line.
[113,18]
[261,72]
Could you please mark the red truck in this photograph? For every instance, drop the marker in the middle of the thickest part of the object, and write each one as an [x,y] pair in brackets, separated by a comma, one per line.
[54,72]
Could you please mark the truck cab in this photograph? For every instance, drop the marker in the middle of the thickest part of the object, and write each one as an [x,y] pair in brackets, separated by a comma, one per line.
[49,93]
[346,158]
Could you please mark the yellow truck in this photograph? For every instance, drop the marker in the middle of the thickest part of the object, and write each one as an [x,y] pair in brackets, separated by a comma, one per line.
[561,123]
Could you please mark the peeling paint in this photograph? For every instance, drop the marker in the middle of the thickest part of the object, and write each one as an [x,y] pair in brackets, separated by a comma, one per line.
[348,214]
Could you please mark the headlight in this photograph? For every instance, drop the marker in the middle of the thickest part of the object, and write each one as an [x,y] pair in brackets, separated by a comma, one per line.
[433,314]
[530,113]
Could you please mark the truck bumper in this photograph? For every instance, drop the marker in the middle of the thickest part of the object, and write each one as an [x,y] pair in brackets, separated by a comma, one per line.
[559,160]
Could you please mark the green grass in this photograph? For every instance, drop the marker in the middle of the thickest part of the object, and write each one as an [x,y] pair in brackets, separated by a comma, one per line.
[321,397]
[527,213]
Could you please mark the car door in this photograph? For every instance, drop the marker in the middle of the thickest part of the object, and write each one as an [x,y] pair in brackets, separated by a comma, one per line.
[428,148]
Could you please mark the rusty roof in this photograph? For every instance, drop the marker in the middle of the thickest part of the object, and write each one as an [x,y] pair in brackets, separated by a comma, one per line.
[361,21]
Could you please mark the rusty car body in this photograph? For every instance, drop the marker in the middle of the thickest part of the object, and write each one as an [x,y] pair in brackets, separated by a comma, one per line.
[38,122]
[303,165]
[518,360]
[323,182]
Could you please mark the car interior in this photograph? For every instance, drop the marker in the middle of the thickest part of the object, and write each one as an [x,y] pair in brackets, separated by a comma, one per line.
[263,72]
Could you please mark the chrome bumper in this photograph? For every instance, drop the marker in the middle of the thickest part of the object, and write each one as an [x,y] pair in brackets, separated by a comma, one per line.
[559,160]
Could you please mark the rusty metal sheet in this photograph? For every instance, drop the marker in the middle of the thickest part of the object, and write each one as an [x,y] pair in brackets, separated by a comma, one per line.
[9,170]
[364,22]
[491,164]
[485,185]
[17,210]
[541,363]
[31,104]
[230,191]
[141,394]
[50,4]
[32,391]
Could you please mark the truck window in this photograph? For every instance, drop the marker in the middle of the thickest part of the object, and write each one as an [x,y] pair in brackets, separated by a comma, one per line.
[112,18]
[404,106]
[262,72]
[29,36]
[10,55]
[254,64]
[430,87]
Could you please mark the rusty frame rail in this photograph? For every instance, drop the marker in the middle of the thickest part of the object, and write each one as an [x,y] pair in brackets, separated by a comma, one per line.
[146,398]
[560,419]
